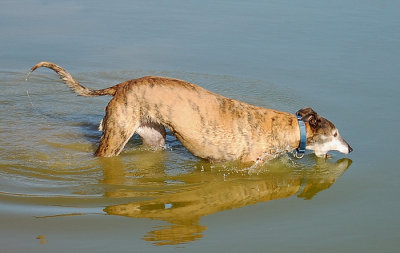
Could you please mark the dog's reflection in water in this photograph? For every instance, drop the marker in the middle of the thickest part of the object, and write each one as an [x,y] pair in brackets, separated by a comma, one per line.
[214,192]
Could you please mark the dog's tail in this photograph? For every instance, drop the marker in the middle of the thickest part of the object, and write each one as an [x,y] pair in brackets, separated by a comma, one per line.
[72,83]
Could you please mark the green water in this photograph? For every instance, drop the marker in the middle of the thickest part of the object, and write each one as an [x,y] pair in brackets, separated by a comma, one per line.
[340,58]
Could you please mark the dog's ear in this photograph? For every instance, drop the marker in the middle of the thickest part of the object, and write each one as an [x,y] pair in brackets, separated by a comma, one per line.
[308,115]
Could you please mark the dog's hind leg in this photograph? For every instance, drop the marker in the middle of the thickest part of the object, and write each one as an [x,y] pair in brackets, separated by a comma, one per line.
[118,126]
[152,134]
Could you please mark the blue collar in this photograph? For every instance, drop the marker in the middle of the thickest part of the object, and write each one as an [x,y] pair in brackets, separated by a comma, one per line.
[303,138]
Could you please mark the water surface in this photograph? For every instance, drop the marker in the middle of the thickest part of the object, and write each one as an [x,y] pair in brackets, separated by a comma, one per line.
[340,58]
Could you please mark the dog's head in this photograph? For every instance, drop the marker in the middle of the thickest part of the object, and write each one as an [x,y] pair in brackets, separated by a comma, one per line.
[322,134]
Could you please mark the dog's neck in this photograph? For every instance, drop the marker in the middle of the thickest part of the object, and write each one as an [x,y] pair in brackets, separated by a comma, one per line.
[289,134]
[292,138]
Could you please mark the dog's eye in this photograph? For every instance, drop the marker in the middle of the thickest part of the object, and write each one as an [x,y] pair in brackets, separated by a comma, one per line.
[335,134]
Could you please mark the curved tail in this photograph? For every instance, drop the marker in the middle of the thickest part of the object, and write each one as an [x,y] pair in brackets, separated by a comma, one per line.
[72,83]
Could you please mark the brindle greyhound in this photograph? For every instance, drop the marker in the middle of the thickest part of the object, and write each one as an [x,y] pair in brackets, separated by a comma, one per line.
[209,125]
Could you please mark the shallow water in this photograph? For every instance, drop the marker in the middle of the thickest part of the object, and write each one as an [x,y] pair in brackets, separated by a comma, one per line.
[340,58]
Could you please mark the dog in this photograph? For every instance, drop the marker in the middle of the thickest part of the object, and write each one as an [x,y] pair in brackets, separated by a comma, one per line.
[208,125]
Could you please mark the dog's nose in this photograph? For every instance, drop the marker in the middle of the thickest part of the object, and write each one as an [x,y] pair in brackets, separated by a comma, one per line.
[350,149]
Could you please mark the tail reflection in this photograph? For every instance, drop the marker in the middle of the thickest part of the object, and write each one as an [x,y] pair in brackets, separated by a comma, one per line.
[210,192]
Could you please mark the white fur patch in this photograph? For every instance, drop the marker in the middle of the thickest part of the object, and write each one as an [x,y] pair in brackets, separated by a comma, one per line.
[101,126]
[329,143]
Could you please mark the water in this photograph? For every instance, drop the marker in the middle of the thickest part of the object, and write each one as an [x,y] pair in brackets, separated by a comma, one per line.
[341,58]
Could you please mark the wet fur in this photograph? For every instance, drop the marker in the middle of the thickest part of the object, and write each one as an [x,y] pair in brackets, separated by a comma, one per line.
[209,125]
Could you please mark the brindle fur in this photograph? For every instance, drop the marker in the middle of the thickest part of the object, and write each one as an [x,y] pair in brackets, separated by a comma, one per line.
[209,125]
